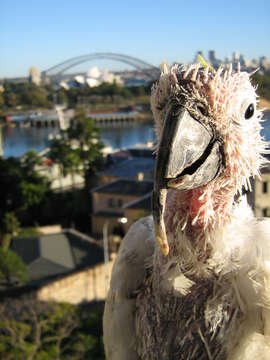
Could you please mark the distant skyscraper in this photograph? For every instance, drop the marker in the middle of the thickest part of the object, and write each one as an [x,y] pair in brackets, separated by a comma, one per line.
[34,75]
[264,64]
[228,60]
[235,56]
[213,59]
[243,61]
[212,56]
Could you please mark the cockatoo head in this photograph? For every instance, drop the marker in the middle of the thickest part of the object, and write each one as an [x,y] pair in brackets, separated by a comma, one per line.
[208,126]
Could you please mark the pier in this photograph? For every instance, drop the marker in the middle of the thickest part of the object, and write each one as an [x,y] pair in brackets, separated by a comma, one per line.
[53,118]
[47,118]
[114,119]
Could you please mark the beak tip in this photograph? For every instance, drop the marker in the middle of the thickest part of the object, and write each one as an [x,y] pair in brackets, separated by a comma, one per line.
[165,250]
[163,243]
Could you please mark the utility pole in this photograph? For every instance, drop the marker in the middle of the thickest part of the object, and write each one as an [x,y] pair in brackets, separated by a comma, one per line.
[1,141]
[106,254]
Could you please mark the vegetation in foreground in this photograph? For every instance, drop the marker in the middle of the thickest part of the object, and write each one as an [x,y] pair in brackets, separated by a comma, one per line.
[34,330]
[26,198]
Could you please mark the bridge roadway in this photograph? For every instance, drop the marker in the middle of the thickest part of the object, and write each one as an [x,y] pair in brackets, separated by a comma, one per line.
[148,69]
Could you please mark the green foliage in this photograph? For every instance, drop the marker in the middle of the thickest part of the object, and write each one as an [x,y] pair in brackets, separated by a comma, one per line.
[34,98]
[105,92]
[11,99]
[61,96]
[87,134]
[66,156]
[12,268]
[22,189]
[31,159]
[30,95]
[263,83]
[36,330]
[79,147]
[27,94]
[28,232]
[2,100]
[31,193]
[10,224]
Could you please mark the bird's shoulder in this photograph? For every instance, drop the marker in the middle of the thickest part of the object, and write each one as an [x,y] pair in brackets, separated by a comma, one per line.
[128,274]
[130,265]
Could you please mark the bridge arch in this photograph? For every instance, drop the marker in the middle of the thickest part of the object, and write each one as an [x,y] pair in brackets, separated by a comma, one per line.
[138,64]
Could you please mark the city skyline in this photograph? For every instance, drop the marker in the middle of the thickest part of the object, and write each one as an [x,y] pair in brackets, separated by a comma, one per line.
[44,34]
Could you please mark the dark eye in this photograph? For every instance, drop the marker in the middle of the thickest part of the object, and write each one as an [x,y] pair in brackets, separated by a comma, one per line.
[202,110]
[249,111]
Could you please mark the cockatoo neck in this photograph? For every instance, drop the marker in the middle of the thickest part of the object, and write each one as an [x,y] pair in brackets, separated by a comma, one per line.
[199,212]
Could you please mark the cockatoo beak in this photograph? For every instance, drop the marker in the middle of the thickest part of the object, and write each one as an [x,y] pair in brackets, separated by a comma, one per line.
[189,156]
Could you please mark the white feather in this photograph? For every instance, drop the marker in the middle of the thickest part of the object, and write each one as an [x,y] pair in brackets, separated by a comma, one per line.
[127,276]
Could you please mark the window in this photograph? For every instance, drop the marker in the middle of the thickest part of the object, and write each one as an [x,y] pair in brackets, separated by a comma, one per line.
[264,212]
[120,203]
[264,187]
[111,203]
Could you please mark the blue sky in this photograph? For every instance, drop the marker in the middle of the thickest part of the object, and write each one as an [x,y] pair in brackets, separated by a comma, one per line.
[43,33]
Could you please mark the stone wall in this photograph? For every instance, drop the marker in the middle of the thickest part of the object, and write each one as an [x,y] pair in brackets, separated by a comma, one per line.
[86,285]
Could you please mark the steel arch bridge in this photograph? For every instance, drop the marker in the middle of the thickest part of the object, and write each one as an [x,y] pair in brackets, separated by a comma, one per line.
[68,64]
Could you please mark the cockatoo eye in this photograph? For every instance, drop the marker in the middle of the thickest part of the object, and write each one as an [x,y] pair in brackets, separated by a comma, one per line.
[247,109]
[249,112]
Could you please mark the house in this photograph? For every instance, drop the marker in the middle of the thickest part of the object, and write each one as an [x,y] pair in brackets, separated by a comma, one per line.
[132,163]
[66,266]
[139,208]
[59,182]
[260,198]
[141,168]
[109,202]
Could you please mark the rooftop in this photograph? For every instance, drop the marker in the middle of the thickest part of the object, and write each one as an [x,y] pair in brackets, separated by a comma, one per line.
[130,167]
[144,152]
[265,169]
[55,254]
[126,187]
[144,203]
[110,214]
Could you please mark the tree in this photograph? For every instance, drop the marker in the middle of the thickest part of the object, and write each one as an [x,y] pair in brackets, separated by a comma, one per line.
[12,268]
[2,101]
[66,157]
[35,98]
[30,329]
[26,94]
[11,99]
[31,159]
[9,226]
[61,96]
[21,189]
[79,146]
[87,134]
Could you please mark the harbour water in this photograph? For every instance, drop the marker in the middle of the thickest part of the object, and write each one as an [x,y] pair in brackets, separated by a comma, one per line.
[18,140]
